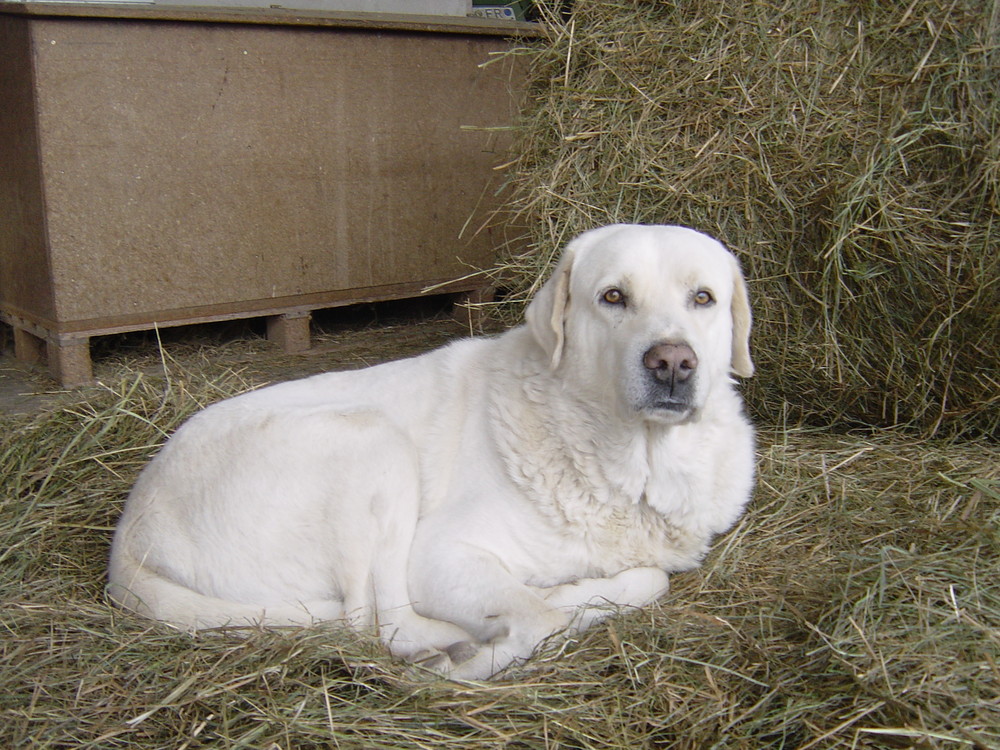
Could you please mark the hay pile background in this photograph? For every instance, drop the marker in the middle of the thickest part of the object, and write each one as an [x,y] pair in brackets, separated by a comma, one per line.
[856,605]
[848,152]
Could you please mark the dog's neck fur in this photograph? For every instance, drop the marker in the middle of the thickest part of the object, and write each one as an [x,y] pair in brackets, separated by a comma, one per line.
[599,488]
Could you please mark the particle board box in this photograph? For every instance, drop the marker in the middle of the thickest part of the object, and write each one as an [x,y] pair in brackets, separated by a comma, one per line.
[163,166]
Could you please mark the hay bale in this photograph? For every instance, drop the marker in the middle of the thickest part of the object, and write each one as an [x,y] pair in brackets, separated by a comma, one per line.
[848,152]
[856,605]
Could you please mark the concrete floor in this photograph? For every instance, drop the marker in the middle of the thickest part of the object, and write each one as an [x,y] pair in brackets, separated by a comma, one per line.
[24,389]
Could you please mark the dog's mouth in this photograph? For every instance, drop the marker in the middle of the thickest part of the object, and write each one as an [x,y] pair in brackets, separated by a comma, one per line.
[671,410]
[671,405]
[667,402]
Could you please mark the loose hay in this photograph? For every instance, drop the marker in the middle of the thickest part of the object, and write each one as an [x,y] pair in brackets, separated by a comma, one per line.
[848,152]
[858,602]
[856,605]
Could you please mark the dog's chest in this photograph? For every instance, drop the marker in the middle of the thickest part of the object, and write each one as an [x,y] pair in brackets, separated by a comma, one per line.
[595,497]
[592,516]
[630,533]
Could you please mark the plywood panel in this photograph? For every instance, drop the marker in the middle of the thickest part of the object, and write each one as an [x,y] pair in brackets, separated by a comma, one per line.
[195,164]
[25,277]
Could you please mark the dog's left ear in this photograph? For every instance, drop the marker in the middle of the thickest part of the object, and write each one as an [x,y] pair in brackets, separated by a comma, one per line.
[742,364]
[546,313]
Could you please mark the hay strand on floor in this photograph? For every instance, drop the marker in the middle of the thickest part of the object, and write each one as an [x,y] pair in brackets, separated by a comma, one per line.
[856,605]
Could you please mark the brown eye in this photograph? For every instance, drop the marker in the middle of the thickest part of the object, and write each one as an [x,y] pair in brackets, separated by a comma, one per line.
[614,297]
[703,297]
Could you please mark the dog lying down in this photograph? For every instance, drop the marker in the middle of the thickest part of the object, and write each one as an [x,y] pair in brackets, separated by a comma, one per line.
[468,503]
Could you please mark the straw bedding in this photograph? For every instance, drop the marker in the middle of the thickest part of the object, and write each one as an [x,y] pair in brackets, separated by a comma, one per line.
[849,152]
[856,605]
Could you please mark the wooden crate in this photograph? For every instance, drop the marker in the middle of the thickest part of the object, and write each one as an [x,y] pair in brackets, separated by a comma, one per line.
[163,166]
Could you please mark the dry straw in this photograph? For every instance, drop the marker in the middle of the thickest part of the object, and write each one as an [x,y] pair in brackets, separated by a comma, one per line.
[857,605]
[848,151]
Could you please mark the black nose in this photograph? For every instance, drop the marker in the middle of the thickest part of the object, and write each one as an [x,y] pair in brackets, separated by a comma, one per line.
[670,363]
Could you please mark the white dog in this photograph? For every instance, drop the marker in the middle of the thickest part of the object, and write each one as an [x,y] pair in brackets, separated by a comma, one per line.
[470,502]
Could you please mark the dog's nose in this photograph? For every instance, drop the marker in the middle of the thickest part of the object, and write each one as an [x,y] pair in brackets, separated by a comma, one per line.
[670,362]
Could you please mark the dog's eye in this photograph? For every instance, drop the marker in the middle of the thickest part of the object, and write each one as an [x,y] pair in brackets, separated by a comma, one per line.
[614,297]
[703,297]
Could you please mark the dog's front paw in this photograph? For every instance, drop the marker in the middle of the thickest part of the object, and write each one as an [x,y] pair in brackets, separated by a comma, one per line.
[462,651]
[432,661]
[637,587]
[457,661]
[463,661]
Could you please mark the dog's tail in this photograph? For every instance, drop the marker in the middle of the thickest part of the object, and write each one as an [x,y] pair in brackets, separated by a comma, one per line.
[136,587]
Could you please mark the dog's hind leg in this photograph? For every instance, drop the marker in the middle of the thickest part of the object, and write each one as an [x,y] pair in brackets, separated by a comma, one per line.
[471,587]
[377,596]
[406,633]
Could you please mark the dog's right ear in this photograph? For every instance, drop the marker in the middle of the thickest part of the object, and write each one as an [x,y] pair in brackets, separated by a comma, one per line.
[546,314]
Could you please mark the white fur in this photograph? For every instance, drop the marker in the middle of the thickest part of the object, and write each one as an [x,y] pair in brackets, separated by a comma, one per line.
[470,502]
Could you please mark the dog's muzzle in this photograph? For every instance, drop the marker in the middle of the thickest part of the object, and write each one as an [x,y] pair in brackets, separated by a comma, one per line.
[671,368]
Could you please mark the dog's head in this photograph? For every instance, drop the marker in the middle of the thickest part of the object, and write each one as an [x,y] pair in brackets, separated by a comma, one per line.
[655,316]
